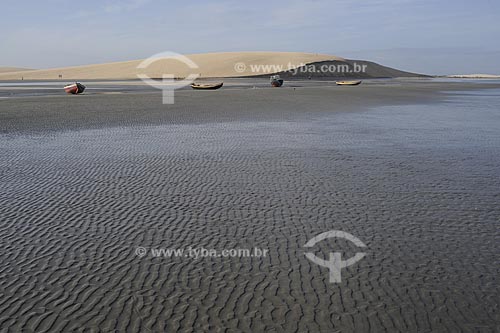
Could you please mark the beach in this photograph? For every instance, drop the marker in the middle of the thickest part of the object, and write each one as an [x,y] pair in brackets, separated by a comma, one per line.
[46,107]
[408,166]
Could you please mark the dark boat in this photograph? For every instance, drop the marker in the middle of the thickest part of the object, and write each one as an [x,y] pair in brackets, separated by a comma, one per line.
[207,86]
[74,88]
[348,83]
[276,81]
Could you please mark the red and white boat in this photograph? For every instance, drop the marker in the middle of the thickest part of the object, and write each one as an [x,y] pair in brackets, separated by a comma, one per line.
[276,81]
[74,88]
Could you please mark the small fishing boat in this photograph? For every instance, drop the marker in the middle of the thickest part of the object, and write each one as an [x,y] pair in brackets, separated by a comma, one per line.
[207,86]
[348,83]
[276,81]
[74,88]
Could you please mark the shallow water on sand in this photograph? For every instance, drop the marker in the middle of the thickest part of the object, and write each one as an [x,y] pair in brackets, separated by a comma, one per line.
[418,184]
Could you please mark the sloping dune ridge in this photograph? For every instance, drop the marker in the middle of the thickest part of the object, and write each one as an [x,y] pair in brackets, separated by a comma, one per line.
[210,65]
[13,69]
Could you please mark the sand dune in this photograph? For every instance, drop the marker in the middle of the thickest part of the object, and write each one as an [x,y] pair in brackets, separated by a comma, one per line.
[210,65]
[14,69]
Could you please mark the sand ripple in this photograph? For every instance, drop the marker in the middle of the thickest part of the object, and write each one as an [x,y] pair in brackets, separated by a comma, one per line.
[75,205]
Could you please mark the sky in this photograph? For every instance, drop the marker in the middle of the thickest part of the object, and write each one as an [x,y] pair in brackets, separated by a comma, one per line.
[425,36]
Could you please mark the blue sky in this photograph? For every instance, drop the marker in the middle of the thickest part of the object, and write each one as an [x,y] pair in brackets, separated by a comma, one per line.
[435,37]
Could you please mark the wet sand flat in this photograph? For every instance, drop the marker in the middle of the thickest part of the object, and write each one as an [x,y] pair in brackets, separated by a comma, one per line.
[411,169]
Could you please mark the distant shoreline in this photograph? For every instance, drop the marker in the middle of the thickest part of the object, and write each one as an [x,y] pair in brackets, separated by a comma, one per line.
[472,76]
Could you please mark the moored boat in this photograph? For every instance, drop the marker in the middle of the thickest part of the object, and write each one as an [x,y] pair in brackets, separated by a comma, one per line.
[207,86]
[276,81]
[348,83]
[74,88]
